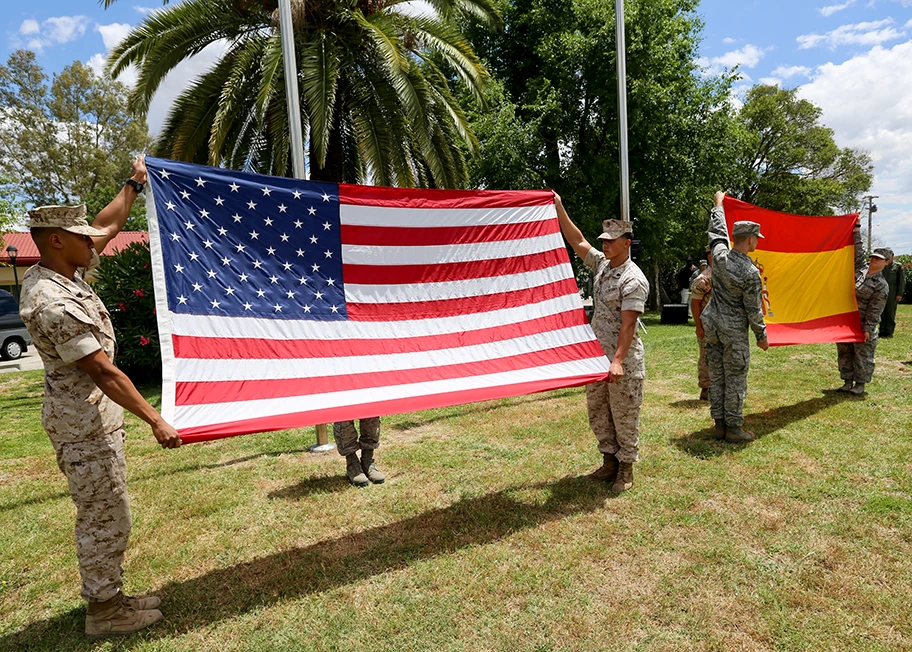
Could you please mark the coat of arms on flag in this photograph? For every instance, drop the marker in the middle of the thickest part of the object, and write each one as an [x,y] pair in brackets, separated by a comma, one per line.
[284,303]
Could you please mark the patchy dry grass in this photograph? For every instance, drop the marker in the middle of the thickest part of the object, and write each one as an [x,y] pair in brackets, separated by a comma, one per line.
[485,537]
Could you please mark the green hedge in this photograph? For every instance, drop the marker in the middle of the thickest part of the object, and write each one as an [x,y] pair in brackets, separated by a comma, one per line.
[124,283]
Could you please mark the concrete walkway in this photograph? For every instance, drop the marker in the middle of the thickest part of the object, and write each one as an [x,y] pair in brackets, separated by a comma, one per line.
[31,360]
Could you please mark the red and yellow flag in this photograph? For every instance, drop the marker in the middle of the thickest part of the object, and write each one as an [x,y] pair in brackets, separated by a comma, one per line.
[808,272]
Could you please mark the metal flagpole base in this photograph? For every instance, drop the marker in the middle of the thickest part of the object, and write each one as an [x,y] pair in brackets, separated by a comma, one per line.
[323,444]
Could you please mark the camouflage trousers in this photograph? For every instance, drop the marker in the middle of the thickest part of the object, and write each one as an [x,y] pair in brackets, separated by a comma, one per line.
[347,440]
[702,366]
[614,416]
[856,360]
[96,472]
[728,359]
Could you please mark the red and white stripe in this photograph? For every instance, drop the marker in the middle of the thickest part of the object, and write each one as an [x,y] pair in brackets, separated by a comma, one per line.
[453,297]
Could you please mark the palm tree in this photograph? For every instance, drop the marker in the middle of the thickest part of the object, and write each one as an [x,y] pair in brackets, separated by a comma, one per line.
[374,81]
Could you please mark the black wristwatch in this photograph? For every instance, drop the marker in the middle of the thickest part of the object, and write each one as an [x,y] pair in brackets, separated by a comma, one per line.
[136,185]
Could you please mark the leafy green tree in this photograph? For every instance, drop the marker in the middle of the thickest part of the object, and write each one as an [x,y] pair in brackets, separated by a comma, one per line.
[60,142]
[557,62]
[789,162]
[374,85]
[12,208]
[104,195]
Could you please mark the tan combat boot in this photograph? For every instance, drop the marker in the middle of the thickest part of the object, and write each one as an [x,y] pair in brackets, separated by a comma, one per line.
[608,471]
[370,469]
[847,387]
[353,471]
[624,477]
[115,617]
[142,603]
[719,430]
[858,390]
[735,435]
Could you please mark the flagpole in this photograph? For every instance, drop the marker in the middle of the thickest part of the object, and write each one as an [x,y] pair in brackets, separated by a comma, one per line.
[291,89]
[293,100]
[622,110]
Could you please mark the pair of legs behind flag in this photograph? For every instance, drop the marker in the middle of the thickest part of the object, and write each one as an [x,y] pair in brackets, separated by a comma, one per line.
[360,472]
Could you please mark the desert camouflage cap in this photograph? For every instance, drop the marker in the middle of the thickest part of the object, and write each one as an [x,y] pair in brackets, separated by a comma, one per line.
[882,252]
[746,228]
[68,218]
[613,229]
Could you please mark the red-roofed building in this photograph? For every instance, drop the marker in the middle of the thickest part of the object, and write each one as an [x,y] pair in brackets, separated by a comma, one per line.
[27,254]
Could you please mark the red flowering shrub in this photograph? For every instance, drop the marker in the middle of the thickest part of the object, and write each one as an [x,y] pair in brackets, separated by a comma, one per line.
[124,283]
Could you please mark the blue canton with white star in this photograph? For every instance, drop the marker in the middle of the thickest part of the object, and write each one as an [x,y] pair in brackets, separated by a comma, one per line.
[245,245]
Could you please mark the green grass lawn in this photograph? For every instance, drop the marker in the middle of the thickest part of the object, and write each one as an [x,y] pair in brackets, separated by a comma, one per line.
[487,537]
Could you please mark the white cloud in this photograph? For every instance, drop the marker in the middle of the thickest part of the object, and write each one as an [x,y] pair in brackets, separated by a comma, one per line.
[771,81]
[787,72]
[832,9]
[728,40]
[868,33]
[145,11]
[29,26]
[113,34]
[867,101]
[54,30]
[747,57]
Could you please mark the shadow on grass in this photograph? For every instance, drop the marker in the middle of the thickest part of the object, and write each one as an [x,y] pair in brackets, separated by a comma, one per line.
[293,574]
[703,444]
[131,481]
[313,487]
[690,403]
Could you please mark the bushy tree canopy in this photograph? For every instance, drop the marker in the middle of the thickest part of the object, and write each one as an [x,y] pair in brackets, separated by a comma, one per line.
[60,142]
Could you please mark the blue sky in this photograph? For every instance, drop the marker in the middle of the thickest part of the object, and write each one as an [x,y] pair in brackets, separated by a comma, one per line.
[853,58]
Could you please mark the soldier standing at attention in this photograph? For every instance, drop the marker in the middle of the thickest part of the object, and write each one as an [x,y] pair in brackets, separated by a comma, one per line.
[856,359]
[734,305]
[363,471]
[619,292]
[700,293]
[84,397]
[896,280]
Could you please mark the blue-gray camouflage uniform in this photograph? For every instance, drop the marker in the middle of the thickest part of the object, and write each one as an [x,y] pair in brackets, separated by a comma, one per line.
[347,439]
[735,305]
[856,359]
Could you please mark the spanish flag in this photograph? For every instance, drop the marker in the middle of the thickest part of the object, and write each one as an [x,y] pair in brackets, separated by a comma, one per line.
[807,267]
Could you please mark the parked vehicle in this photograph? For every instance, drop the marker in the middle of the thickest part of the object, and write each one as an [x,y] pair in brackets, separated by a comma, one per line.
[14,339]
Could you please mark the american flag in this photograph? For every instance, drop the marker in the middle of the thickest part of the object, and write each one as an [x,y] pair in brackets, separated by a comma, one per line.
[284,303]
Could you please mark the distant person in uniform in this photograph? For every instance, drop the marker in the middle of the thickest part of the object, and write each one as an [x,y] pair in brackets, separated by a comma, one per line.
[896,280]
[363,471]
[84,397]
[700,294]
[735,305]
[683,278]
[856,359]
[619,292]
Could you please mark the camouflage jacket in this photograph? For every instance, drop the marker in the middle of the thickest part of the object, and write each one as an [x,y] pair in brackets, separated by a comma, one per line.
[735,301]
[614,290]
[870,291]
[701,288]
[67,321]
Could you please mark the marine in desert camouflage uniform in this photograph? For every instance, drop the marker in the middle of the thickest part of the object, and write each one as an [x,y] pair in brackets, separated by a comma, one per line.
[84,397]
[735,305]
[856,359]
[700,294]
[619,296]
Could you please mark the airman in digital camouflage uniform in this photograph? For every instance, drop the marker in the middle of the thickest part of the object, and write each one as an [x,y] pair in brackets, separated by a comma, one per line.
[856,359]
[84,397]
[362,471]
[619,292]
[735,305]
